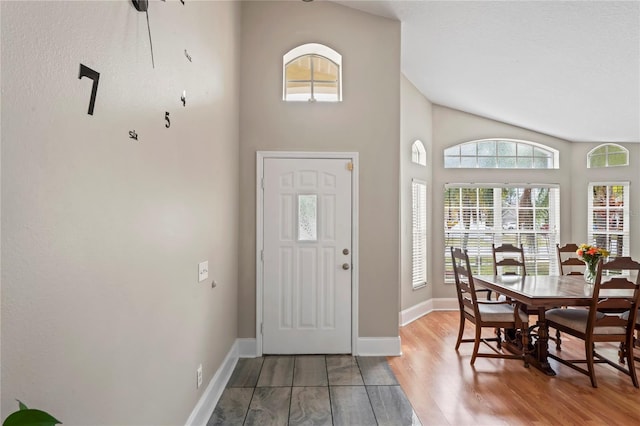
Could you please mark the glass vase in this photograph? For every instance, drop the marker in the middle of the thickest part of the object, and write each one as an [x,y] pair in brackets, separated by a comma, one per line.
[590,272]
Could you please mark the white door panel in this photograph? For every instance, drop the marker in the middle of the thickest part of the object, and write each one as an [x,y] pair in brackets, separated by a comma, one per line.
[307,228]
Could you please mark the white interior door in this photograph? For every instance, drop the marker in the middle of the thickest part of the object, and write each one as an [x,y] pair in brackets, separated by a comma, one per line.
[307,256]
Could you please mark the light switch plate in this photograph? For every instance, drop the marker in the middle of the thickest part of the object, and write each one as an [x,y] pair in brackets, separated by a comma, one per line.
[203,270]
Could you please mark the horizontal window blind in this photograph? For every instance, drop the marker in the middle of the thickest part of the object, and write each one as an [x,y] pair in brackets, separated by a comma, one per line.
[478,215]
[608,220]
[419,225]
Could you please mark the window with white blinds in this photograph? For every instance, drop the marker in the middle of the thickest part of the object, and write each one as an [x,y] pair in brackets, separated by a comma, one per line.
[419,225]
[477,216]
[609,216]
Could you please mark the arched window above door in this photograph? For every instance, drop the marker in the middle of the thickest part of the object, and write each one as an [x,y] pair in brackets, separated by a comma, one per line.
[312,72]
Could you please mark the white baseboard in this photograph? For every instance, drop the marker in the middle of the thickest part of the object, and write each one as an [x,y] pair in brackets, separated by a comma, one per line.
[445,304]
[423,308]
[416,311]
[247,348]
[379,346]
[207,403]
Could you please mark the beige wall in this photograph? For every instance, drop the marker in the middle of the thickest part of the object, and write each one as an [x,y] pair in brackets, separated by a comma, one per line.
[416,124]
[103,319]
[583,176]
[367,121]
[451,127]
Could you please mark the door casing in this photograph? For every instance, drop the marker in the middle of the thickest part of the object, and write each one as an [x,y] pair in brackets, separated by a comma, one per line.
[353,157]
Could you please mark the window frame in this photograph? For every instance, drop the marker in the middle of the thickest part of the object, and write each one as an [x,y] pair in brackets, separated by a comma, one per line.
[552,155]
[418,234]
[591,154]
[625,235]
[418,153]
[312,50]
[482,259]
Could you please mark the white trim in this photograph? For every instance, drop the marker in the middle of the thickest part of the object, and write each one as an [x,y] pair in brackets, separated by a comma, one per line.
[207,402]
[417,148]
[419,217]
[626,212]
[448,185]
[590,154]
[445,304]
[353,156]
[415,312]
[554,152]
[379,346]
[421,309]
[311,49]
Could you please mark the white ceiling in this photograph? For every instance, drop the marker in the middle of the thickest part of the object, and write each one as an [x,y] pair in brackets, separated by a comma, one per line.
[570,69]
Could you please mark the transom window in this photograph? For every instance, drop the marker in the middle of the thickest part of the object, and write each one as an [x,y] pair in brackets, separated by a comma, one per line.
[312,72]
[418,153]
[608,155]
[502,154]
[609,217]
[478,215]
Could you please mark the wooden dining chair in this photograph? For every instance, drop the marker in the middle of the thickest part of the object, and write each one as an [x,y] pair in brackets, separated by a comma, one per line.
[636,338]
[603,322]
[568,261]
[568,264]
[508,260]
[484,313]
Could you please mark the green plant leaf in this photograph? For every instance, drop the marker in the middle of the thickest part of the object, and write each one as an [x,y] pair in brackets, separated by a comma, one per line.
[21,405]
[31,417]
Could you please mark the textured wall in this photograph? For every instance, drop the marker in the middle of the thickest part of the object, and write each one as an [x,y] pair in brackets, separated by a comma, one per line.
[103,318]
[367,121]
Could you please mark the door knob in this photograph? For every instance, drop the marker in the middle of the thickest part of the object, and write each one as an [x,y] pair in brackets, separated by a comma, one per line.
[345,251]
[345,266]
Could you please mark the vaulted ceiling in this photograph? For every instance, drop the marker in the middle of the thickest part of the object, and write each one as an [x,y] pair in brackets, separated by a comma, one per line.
[570,69]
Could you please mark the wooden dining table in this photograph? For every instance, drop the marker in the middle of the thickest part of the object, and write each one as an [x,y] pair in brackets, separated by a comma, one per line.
[540,292]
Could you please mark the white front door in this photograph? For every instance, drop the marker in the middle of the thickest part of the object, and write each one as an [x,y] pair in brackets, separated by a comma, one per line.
[307,256]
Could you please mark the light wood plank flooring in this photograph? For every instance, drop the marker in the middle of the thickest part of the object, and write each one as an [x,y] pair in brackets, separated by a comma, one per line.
[444,389]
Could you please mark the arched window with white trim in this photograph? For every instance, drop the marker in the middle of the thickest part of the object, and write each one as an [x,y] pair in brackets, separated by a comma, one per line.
[501,154]
[418,153]
[312,72]
[608,155]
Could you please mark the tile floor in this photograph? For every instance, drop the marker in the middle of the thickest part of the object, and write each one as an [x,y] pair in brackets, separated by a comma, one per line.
[313,390]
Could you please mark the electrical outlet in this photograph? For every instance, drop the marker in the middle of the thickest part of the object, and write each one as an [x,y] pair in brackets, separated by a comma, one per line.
[203,270]
[199,376]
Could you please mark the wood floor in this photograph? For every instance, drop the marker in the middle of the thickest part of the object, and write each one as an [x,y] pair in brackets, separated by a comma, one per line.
[445,389]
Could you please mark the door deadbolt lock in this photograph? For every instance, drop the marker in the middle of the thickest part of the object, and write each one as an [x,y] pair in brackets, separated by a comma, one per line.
[345,251]
[345,266]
